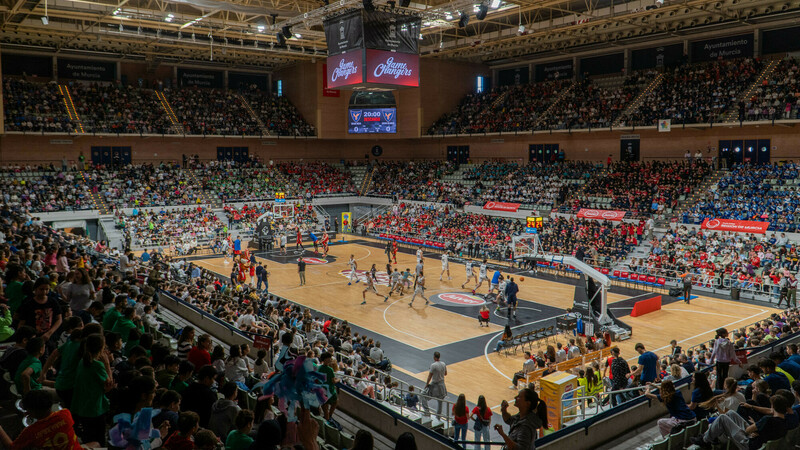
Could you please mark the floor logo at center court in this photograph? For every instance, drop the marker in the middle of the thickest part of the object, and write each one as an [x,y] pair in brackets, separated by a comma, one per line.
[458,299]
[382,277]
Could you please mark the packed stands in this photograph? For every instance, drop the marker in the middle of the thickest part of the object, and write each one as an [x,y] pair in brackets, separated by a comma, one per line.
[166,228]
[604,243]
[145,185]
[777,97]
[277,114]
[116,108]
[45,190]
[590,106]
[32,106]
[652,187]
[696,93]
[211,111]
[767,192]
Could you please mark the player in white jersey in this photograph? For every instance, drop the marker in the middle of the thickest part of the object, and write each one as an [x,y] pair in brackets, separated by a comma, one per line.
[470,274]
[371,288]
[445,266]
[419,289]
[394,281]
[353,267]
[419,255]
[481,276]
[225,248]
[501,295]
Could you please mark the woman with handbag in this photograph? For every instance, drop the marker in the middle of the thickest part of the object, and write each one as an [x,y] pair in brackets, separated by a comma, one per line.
[460,418]
[482,416]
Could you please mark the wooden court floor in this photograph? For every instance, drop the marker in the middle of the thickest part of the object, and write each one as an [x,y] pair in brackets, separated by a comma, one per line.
[427,327]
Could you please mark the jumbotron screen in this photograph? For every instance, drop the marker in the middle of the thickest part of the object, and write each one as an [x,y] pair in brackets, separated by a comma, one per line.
[372,120]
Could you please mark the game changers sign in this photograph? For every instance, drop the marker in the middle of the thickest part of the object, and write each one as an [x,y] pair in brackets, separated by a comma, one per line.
[740,46]
[345,69]
[399,69]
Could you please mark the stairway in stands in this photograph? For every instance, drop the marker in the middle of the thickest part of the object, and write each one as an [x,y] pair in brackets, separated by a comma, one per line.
[634,105]
[358,173]
[553,105]
[367,181]
[100,203]
[176,124]
[697,193]
[733,112]
[71,112]
[261,126]
[208,197]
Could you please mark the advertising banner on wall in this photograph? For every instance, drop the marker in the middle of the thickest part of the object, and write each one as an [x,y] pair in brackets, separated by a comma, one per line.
[76,69]
[345,69]
[740,46]
[600,214]
[742,226]
[200,78]
[499,206]
[344,33]
[558,70]
[399,69]
[384,30]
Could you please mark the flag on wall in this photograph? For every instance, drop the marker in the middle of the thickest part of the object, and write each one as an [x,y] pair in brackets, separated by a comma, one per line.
[664,125]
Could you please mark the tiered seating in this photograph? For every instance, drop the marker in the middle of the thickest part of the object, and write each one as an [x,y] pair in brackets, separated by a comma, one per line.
[169,228]
[34,107]
[45,190]
[145,185]
[115,108]
[698,93]
[641,187]
[604,243]
[278,114]
[777,97]
[768,193]
[211,111]
[590,106]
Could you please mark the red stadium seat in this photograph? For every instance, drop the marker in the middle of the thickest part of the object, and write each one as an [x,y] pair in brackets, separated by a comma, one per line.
[661,281]
[634,277]
[605,271]
[615,274]
[651,279]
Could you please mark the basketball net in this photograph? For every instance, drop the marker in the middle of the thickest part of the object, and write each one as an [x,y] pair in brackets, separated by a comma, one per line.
[525,245]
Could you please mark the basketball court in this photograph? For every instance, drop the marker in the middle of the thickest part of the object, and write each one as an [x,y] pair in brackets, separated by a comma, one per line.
[449,325]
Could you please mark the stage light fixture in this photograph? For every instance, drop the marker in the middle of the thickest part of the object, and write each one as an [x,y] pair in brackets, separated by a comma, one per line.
[281,38]
[45,20]
[482,11]
[463,21]
[286,31]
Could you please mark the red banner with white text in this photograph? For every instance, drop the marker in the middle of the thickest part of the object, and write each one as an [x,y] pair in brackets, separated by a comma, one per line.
[498,206]
[742,226]
[600,214]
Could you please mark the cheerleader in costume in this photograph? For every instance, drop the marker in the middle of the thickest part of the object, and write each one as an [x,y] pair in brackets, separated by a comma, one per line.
[325,240]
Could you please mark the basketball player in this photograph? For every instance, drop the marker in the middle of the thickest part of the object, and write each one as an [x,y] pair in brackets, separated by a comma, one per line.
[283,244]
[419,289]
[394,251]
[418,268]
[496,278]
[405,280]
[226,246]
[394,281]
[470,273]
[419,256]
[388,251]
[501,293]
[299,241]
[481,276]
[371,287]
[353,266]
[445,266]
[325,240]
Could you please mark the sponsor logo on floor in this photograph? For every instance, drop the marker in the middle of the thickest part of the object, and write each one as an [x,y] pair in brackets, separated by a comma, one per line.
[458,299]
[312,260]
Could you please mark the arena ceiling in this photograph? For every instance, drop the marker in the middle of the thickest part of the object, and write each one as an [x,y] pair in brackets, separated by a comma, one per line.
[242,33]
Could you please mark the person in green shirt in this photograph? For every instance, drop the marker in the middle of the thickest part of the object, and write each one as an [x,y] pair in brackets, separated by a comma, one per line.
[89,402]
[181,380]
[239,439]
[5,323]
[127,322]
[68,356]
[15,278]
[329,367]
[27,376]
[111,316]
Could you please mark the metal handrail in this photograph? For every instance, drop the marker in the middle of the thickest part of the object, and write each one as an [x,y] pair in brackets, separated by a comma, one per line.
[582,401]
[445,417]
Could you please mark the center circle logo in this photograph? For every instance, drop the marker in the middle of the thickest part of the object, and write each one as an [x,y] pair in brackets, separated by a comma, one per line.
[309,260]
[591,213]
[712,223]
[459,299]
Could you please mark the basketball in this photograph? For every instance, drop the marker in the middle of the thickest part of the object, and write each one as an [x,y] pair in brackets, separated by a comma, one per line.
[521,279]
